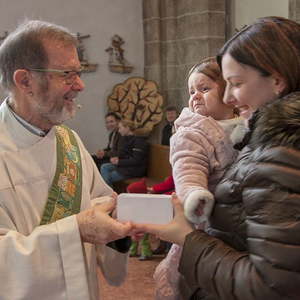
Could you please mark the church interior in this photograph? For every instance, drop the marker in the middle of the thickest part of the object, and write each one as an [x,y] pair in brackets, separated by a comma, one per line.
[147,46]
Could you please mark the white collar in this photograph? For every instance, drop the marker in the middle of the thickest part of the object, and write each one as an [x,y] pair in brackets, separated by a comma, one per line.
[22,137]
[33,129]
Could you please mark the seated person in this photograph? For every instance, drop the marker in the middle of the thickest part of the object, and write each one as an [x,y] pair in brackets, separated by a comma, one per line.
[132,159]
[112,149]
[171,115]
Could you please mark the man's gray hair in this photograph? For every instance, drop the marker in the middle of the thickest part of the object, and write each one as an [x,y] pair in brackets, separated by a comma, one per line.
[24,48]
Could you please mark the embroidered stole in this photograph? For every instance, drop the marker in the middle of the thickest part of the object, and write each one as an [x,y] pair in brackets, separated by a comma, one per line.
[64,197]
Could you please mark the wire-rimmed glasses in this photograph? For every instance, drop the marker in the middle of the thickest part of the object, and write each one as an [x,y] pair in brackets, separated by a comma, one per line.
[69,76]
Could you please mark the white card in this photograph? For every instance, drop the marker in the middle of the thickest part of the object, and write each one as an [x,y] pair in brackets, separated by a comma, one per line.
[145,208]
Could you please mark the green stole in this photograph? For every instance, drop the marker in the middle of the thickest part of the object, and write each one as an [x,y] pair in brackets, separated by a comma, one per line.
[64,198]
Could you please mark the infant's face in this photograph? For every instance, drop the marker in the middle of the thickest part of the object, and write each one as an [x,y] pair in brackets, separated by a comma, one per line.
[205,98]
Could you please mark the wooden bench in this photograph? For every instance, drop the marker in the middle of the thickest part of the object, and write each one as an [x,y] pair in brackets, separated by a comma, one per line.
[158,169]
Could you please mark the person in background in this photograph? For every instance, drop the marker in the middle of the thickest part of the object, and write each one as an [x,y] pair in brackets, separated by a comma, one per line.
[53,236]
[251,249]
[132,159]
[200,150]
[112,149]
[171,114]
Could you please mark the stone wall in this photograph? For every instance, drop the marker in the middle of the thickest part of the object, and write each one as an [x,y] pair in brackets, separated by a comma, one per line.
[294,10]
[178,34]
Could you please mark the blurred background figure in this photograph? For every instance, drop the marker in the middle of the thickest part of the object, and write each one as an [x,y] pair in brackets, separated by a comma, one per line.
[112,149]
[132,157]
[168,130]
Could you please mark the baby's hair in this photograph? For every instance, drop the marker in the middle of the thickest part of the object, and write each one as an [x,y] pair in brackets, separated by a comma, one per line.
[211,69]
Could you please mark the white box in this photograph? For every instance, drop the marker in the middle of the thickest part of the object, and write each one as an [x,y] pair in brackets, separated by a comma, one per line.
[145,208]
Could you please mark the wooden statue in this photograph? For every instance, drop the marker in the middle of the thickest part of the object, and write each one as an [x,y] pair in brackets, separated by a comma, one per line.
[117,62]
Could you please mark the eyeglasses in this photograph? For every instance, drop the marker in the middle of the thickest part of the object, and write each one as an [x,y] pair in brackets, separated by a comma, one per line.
[69,76]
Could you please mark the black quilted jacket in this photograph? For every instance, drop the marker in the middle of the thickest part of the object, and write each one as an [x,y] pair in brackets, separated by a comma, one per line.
[252,251]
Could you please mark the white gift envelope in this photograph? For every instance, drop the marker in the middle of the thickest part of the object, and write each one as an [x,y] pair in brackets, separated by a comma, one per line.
[145,208]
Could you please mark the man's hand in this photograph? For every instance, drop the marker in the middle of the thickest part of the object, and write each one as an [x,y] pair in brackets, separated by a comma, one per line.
[174,232]
[114,160]
[97,227]
[100,154]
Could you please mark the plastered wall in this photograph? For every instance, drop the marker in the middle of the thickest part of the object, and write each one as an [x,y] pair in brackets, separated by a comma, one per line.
[246,11]
[101,19]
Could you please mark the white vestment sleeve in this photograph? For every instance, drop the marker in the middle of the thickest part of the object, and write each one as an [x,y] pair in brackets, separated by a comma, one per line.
[113,264]
[49,261]
[46,264]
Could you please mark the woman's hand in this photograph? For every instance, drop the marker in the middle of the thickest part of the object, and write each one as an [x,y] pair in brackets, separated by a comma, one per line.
[174,232]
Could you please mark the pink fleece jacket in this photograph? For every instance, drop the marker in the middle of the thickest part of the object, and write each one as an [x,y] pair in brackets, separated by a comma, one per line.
[200,151]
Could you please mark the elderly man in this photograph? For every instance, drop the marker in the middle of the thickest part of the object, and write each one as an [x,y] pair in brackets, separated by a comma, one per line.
[52,234]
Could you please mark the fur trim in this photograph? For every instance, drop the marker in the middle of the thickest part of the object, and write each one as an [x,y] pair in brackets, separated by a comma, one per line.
[235,128]
[278,123]
[192,202]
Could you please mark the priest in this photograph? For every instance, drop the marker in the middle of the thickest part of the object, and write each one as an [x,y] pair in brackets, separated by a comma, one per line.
[55,224]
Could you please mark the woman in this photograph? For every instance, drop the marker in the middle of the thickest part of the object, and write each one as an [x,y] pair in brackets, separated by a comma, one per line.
[133,156]
[252,248]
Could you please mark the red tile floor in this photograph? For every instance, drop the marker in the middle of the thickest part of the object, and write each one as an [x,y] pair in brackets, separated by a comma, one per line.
[139,284]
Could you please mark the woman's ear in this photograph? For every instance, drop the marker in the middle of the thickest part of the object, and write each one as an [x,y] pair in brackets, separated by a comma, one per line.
[23,80]
[279,84]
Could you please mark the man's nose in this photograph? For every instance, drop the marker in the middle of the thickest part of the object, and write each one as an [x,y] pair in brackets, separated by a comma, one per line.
[78,84]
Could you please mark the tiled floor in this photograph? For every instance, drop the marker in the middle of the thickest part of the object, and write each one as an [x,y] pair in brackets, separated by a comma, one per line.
[139,284]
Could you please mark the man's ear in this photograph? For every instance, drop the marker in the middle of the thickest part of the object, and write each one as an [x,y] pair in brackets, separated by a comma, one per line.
[23,80]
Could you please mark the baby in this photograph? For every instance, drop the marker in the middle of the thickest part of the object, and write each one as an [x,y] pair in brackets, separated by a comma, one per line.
[200,151]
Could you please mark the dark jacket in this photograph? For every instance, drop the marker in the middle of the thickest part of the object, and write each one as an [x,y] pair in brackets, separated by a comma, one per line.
[114,144]
[166,134]
[112,149]
[253,250]
[133,156]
